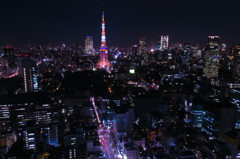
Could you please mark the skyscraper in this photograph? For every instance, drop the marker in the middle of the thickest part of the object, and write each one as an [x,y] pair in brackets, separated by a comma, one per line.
[142,45]
[89,45]
[75,47]
[30,135]
[236,62]
[9,53]
[159,43]
[134,50]
[30,76]
[164,42]
[103,62]
[211,57]
[63,47]
[4,71]
[223,47]
[218,119]
[53,135]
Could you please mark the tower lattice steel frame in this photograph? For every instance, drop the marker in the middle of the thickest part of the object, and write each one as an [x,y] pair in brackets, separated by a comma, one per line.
[103,62]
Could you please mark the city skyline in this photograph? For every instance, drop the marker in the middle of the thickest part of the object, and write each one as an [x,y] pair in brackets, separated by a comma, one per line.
[61,98]
[51,22]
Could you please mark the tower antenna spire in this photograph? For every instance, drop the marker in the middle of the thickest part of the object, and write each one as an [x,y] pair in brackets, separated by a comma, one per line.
[103,38]
[102,12]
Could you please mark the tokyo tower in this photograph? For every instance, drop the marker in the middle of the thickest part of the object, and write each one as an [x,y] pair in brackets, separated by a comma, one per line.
[103,62]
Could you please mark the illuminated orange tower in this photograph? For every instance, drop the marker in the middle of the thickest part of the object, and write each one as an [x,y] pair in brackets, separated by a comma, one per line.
[103,62]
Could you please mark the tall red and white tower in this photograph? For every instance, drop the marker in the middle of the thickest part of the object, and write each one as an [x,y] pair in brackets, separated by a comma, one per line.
[103,62]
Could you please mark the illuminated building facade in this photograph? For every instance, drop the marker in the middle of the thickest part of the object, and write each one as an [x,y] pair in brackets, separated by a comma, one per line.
[211,57]
[30,78]
[218,119]
[142,45]
[103,62]
[230,54]
[27,107]
[164,42]
[52,135]
[224,45]
[107,118]
[73,151]
[30,135]
[187,50]
[7,138]
[89,45]
[235,99]
[196,115]
[235,61]
[9,53]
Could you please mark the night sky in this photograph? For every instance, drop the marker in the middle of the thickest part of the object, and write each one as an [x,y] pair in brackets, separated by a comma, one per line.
[69,21]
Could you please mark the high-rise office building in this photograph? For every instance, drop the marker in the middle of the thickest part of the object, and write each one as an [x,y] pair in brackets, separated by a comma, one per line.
[123,120]
[20,66]
[25,107]
[134,50]
[7,138]
[211,57]
[75,47]
[196,114]
[235,99]
[159,43]
[30,135]
[152,47]
[30,76]
[142,45]
[236,62]
[4,71]
[53,135]
[10,55]
[164,42]
[224,45]
[89,45]
[63,47]
[218,119]
[187,51]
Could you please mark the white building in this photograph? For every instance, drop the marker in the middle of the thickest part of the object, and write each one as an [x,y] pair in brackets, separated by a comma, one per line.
[89,45]
[123,121]
[164,42]
[130,151]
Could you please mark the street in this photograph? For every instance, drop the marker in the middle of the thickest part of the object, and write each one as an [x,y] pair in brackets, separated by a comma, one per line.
[105,137]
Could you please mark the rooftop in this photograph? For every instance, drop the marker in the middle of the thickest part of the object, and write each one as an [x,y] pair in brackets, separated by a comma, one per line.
[119,110]
[213,106]
[130,147]
[232,134]
[32,97]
